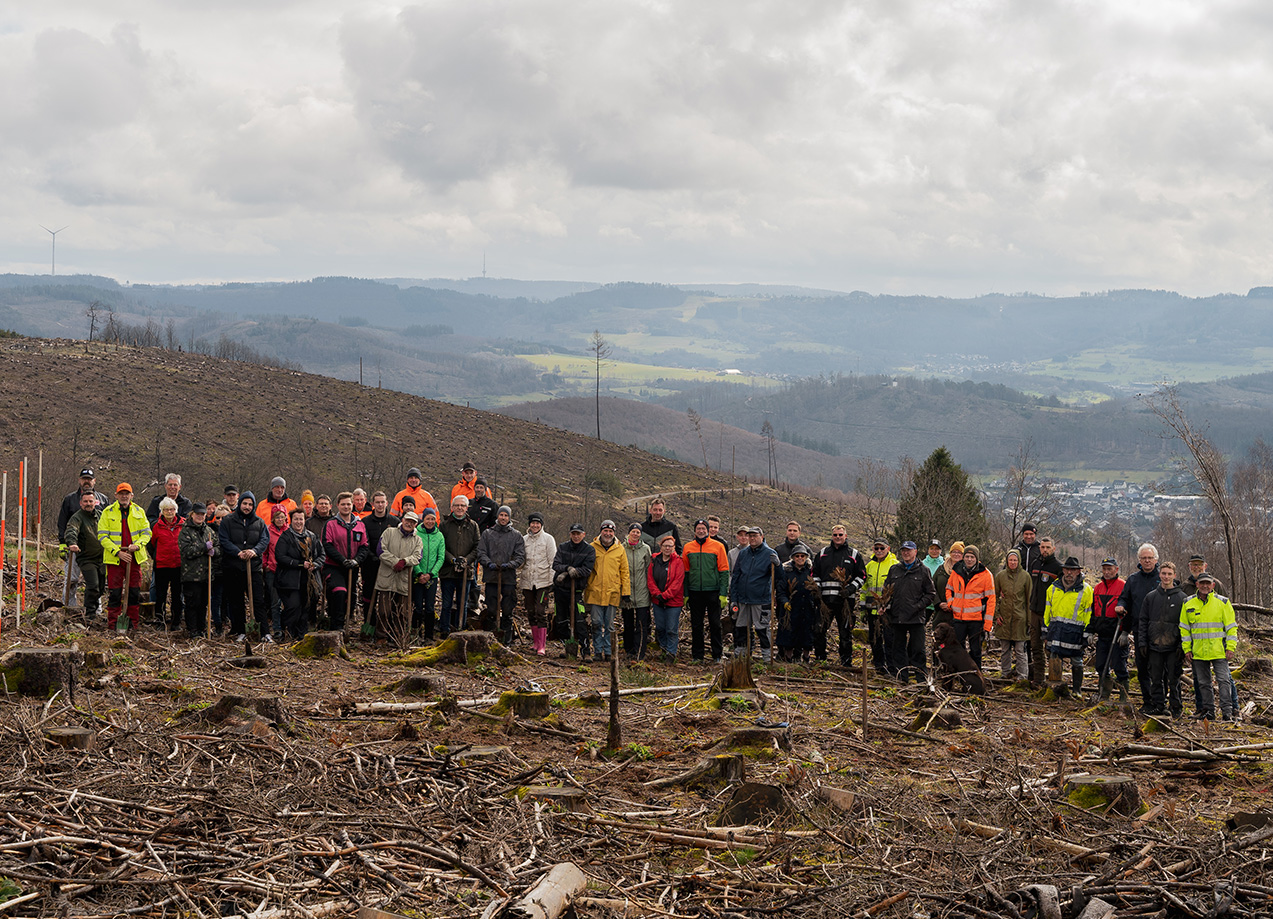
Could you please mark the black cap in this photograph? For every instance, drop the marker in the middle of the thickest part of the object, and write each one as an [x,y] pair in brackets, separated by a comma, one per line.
[1205,576]
[1072,562]
[88,473]
[231,488]
[1110,561]
[1196,558]
[468,467]
[936,542]
[577,528]
[533,516]
[698,521]
[198,508]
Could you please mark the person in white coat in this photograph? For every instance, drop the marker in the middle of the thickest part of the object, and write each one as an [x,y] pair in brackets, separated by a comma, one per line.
[535,578]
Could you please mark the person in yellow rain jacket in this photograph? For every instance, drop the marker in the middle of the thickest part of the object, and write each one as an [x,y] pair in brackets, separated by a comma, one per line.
[1209,635]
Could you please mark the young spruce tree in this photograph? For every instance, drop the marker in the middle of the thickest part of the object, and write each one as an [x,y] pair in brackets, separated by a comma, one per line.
[938,502]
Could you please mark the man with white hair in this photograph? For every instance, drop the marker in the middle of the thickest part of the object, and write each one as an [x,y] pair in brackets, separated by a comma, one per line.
[172,489]
[1139,583]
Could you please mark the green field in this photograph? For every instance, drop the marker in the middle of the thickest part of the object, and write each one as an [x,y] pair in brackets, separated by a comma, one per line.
[1116,365]
[632,378]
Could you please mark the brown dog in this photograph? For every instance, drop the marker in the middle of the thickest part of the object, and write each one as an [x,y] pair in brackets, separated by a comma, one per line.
[956,662]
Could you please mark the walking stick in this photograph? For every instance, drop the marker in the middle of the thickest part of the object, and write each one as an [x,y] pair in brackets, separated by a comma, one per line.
[461,613]
[66,588]
[208,623]
[499,598]
[127,589]
[251,602]
[349,596]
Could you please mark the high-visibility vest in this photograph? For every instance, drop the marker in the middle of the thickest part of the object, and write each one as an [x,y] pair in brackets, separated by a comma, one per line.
[972,599]
[1066,616]
[1208,627]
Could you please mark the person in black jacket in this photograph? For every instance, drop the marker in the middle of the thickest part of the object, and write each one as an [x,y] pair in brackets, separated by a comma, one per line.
[841,572]
[910,592]
[572,566]
[799,605]
[244,539]
[1158,632]
[172,489]
[299,554]
[70,505]
[375,524]
[656,524]
[79,536]
[1139,583]
[483,509]
[1044,568]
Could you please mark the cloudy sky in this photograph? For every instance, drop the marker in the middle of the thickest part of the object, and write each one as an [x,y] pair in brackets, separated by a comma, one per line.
[884,145]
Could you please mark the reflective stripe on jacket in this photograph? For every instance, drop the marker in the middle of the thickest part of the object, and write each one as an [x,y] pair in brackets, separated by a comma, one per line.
[110,527]
[972,597]
[1066,614]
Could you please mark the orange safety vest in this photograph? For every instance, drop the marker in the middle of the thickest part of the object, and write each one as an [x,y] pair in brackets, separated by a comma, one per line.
[972,599]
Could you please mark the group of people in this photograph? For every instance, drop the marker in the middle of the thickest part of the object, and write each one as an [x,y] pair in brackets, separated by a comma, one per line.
[291,562]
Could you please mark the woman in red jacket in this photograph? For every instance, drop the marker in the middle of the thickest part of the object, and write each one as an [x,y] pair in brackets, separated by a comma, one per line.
[163,543]
[666,580]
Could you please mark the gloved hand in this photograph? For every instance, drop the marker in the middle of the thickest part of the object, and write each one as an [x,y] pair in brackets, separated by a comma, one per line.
[573,572]
[855,584]
[561,578]
[1091,639]
[208,545]
[1124,639]
[350,563]
[787,606]
[61,551]
[210,550]
[400,564]
[733,609]
[461,564]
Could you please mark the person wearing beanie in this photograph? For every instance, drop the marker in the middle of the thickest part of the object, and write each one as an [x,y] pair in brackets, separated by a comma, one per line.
[970,593]
[1067,612]
[244,539]
[345,549]
[941,612]
[799,602]
[501,551]
[1012,617]
[424,590]
[535,579]
[198,546]
[706,580]
[636,610]
[423,499]
[483,508]
[572,567]
[307,503]
[299,556]
[277,497]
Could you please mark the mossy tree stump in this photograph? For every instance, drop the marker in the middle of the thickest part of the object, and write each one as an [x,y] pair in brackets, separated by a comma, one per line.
[1116,793]
[462,648]
[727,767]
[944,719]
[41,671]
[320,645]
[244,708]
[523,704]
[753,803]
[736,673]
[419,684]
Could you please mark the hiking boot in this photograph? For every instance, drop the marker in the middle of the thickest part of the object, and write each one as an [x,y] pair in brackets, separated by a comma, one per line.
[269,639]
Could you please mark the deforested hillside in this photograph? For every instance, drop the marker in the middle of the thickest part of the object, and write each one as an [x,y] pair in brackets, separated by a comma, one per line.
[137,413]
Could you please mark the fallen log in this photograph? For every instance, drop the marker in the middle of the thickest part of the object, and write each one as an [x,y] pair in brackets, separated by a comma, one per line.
[985,831]
[553,895]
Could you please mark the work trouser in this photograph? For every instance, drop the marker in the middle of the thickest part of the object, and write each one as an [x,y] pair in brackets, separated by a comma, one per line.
[842,616]
[294,612]
[115,587]
[636,630]
[235,586]
[167,591]
[535,599]
[1203,693]
[1162,675]
[94,577]
[194,598]
[1107,650]
[969,633]
[567,622]
[1037,666]
[908,652]
[881,636]
[424,604]
[501,600]
[339,600]
[704,603]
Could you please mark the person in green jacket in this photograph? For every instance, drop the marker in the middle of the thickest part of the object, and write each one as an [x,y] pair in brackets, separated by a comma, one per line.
[1209,636]
[1012,617]
[636,609]
[424,587]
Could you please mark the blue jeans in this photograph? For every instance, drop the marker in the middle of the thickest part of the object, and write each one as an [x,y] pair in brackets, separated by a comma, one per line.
[667,627]
[1203,692]
[602,626]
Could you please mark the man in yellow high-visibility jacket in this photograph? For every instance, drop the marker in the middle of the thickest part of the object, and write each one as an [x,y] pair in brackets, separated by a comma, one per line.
[1209,635]
[123,531]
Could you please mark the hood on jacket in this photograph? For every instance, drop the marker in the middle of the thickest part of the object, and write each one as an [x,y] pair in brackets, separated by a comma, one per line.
[246,495]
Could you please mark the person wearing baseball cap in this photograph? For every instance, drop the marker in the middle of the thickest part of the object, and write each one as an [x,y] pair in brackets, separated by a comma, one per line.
[1209,637]
[1112,638]
[1067,612]
[71,504]
[468,475]
[123,531]
[881,636]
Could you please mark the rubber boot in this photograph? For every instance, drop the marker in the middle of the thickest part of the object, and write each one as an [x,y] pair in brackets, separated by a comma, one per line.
[1077,679]
[1107,685]
[1123,687]
[540,639]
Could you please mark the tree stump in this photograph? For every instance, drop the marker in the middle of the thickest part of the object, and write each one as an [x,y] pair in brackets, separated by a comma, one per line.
[419,684]
[756,737]
[727,767]
[736,674]
[752,803]
[1117,793]
[243,708]
[944,719]
[462,648]
[1254,667]
[49,618]
[41,671]
[571,799]
[253,662]
[72,738]
[523,704]
[844,801]
[320,645]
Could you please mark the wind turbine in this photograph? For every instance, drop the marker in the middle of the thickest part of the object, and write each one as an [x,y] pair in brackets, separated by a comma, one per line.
[53,233]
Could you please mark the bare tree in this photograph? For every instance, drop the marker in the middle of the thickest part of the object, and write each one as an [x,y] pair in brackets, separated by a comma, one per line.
[879,484]
[697,421]
[767,431]
[1028,496]
[170,334]
[93,311]
[1207,465]
[600,349]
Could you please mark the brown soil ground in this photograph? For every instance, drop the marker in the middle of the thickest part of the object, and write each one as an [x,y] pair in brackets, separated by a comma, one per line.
[320,807]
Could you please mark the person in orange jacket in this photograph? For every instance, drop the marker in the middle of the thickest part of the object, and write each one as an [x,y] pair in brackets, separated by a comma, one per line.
[468,475]
[970,591]
[423,499]
[276,498]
